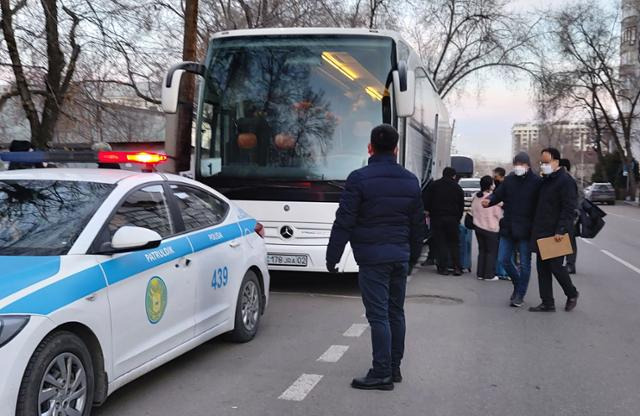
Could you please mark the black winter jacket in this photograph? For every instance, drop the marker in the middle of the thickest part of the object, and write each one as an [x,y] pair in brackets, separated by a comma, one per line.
[556,206]
[444,198]
[380,214]
[520,196]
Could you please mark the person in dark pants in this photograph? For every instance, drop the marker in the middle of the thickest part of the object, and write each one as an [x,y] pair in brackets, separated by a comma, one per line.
[519,193]
[486,224]
[382,216]
[554,218]
[570,260]
[498,177]
[444,203]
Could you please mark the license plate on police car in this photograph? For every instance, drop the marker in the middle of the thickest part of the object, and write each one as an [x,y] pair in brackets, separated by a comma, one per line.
[287,260]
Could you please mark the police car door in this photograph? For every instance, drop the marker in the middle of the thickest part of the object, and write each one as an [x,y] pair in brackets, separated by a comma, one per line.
[217,260]
[151,296]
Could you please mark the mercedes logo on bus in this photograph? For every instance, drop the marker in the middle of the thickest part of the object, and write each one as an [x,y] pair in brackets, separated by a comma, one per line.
[286,232]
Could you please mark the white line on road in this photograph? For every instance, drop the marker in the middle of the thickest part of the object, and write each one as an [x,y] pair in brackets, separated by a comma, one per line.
[355,330]
[623,262]
[314,295]
[584,240]
[333,354]
[301,387]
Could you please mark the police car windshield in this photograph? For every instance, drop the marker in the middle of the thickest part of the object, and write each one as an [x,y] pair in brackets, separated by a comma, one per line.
[44,218]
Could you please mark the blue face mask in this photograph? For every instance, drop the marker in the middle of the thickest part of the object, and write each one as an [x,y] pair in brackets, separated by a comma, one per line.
[546,169]
[519,170]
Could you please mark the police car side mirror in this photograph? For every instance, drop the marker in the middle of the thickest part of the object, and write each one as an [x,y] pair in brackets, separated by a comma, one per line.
[128,238]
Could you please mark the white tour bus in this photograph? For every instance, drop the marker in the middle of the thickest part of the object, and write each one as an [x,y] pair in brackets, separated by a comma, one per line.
[284,115]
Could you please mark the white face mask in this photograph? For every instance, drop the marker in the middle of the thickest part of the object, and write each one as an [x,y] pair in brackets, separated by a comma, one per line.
[546,169]
[519,170]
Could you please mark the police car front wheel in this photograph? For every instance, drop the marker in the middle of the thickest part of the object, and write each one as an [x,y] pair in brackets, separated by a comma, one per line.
[59,378]
[248,309]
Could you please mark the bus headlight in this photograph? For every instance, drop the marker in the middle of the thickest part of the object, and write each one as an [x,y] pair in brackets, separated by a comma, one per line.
[10,326]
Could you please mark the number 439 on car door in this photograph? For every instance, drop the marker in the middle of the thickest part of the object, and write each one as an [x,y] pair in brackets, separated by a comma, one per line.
[220,278]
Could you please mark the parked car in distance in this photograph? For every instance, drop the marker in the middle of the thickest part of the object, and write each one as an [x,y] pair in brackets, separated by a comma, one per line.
[470,186]
[601,192]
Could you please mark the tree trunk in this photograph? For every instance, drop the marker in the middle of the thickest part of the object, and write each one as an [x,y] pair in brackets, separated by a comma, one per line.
[185,110]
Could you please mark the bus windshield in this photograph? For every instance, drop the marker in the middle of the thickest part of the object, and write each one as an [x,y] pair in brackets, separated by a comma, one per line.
[291,107]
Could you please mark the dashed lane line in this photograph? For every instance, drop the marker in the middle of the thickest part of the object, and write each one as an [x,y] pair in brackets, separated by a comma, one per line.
[333,354]
[301,387]
[355,330]
[584,240]
[623,262]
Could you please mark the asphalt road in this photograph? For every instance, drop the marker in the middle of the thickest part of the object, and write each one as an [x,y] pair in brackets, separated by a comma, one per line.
[468,353]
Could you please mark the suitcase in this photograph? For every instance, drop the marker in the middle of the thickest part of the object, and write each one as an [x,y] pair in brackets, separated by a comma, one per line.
[465,236]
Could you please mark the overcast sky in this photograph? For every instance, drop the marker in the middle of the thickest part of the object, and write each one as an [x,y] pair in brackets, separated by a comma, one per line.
[483,124]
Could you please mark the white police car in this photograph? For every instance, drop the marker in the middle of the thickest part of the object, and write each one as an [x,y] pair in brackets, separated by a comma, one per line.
[106,275]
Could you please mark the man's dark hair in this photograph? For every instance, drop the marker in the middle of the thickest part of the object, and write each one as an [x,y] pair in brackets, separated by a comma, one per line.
[449,172]
[555,153]
[500,171]
[566,163]
[384,138]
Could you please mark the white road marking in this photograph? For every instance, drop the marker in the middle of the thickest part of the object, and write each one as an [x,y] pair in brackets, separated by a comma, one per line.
[584,240]
[301,387]
[623,262]
[333,354]
[355,330]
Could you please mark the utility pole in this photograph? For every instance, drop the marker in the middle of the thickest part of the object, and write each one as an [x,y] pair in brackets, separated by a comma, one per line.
[187,89]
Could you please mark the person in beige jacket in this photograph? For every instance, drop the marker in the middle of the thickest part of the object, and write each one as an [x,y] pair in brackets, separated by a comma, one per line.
[486,222]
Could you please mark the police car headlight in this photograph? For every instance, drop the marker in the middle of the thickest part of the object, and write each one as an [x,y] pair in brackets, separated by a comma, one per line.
[10,326]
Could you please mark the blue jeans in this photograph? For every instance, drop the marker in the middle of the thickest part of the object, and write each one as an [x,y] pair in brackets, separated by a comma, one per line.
[383,288]
[519,276]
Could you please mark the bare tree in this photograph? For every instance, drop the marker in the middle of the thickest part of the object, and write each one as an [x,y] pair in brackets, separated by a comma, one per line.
[55,80]
[459,38]
[583,74]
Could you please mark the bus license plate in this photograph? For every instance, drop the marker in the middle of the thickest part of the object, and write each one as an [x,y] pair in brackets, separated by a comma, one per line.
[287,260]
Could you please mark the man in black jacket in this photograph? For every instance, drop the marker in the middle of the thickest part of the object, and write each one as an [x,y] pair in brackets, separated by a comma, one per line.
[444,203]
[382,216]
[519,193]
[554,218]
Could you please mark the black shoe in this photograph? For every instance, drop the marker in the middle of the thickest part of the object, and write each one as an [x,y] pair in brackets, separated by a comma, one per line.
[443,272]
[517,302]
[571,303]
[372,383]
[571,269]
[543,308]
[396,375]
[457,272]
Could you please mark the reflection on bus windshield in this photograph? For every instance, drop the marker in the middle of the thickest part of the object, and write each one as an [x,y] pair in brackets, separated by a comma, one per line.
[291,107]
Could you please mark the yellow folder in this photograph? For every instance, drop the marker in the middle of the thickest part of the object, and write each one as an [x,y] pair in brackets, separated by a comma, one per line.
[549,248]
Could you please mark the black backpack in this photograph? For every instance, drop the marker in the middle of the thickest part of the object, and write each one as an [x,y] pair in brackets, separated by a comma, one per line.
[590,219]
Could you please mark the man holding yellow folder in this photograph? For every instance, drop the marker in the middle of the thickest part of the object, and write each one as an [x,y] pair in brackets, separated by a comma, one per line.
[554,218]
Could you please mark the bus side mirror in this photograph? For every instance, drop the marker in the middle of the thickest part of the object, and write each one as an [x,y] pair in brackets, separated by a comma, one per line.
[404,90]
[171,84]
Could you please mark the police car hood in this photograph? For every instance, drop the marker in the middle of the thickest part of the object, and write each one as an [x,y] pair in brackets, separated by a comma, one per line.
[19,272]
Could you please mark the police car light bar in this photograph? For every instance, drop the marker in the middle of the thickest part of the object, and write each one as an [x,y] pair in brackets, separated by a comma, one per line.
[132,157]
[145,158]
